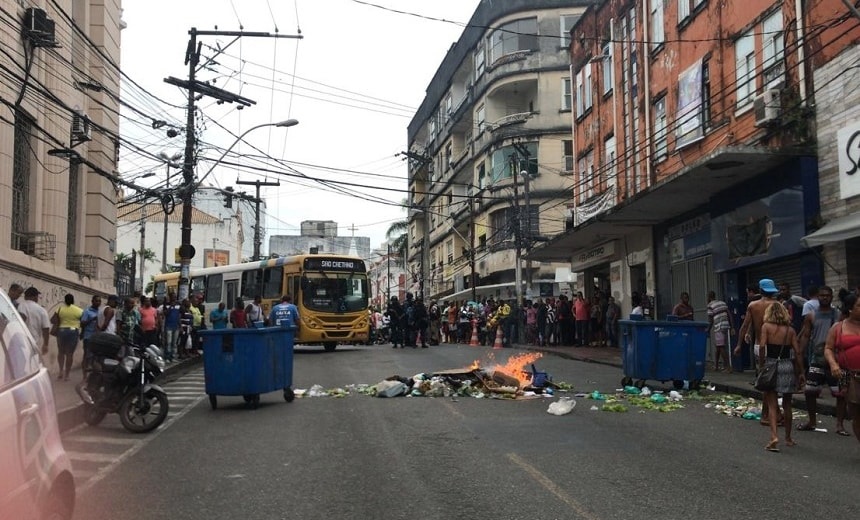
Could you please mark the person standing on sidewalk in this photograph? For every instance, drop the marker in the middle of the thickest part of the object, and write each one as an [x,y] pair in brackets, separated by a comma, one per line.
[720,324]
[68,334]
[813,338]
[89,326]
[148,322]
[613,313]
[582,315]
[15,292]
[238,319]
[169,317]
[284,312]
[107,316]
[219,317]
[683,310]
[435,323]
[37,318]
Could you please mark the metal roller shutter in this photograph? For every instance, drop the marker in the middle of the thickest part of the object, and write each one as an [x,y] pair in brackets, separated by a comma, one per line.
[780,271]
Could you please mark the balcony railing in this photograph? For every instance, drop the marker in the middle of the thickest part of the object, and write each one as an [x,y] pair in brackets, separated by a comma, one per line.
[84,265]
[38,244]
[511,119]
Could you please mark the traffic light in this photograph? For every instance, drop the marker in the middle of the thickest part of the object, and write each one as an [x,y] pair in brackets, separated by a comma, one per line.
[228,197]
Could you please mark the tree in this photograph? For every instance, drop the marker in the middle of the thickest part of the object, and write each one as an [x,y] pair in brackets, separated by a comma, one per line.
[397,233]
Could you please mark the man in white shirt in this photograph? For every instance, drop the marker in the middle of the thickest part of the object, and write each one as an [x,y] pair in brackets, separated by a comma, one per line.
[36,317]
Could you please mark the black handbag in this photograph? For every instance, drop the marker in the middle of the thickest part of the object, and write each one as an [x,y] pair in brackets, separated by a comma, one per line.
[766,379]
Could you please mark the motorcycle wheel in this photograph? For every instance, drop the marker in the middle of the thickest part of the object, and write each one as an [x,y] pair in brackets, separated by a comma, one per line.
[93,416]
[143,416]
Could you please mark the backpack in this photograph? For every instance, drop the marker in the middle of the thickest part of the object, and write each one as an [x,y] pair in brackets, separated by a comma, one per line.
[410,315]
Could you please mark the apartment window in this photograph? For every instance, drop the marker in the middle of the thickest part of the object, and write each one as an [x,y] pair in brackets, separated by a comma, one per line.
[432,126]
[658,34]
[449,105]
[686,7]
[21,180]
[610,159]
[480,56]
[661,136]
[481,117]
[502,225]
[565,93]
[503,165]
[449,250]
[608,71]
[482,176]
[745,68]
[706,95]
[567,158]
[567,23]
[519,35]
[773,51]
[583,90]
[448,153]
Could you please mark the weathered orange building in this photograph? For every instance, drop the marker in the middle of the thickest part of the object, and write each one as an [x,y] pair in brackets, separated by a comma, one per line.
[694,129]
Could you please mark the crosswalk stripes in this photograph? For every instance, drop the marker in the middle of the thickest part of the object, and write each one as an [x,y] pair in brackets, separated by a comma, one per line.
[95,451]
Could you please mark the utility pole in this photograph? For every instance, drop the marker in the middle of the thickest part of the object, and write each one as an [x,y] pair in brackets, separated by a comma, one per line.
[527,235]
[472,279]
[388,277]
[518,275]
[142,244]
[198,88]
[258,238]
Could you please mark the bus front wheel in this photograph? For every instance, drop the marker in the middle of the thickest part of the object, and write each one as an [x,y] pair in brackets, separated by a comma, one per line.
[330,346]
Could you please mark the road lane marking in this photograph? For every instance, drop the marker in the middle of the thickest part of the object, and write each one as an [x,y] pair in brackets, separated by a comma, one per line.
[551,486]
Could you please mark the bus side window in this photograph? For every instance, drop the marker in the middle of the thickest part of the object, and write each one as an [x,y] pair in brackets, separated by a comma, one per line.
[213,288]
[295,284]
[251,281]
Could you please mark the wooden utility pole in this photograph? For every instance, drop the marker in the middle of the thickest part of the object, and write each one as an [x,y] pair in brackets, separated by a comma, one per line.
[258,238]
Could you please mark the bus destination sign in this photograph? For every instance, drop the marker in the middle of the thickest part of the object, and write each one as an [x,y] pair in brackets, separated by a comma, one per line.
[334,264]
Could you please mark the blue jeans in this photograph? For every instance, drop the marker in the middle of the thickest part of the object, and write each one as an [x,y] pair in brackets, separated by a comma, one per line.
[171,336]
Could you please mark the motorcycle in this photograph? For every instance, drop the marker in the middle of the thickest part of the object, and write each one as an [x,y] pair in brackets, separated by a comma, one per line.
[121,380]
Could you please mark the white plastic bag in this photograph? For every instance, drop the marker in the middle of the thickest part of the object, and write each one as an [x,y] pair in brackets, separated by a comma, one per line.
[675,396]
[390,388]
[645,391]
[563,406]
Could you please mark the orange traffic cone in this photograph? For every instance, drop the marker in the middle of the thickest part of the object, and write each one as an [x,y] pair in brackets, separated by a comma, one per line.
[474,341]
[499,343]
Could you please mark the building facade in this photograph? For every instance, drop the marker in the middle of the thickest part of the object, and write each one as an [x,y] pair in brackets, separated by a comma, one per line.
[696,165]
[319,236]
[491,154]
[386,276]
[58,146]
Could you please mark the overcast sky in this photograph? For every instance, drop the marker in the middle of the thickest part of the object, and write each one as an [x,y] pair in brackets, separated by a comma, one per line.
[353,82]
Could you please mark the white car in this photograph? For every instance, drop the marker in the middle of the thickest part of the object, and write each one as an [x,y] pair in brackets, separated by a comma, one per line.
[36,481]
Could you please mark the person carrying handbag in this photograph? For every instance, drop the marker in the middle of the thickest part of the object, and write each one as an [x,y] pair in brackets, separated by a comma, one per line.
[782,369]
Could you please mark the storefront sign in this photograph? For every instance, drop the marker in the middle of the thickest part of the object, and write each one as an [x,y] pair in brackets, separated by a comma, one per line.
[215,257]
[848,139]
[593,256]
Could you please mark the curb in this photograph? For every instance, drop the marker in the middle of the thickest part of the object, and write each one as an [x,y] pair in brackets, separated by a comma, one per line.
[798,400]
[73,416]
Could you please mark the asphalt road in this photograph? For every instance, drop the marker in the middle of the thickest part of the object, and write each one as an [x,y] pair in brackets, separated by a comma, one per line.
[360,457]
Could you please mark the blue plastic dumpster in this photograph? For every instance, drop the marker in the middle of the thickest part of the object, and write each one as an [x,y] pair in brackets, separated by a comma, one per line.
[248,362]
[663,351]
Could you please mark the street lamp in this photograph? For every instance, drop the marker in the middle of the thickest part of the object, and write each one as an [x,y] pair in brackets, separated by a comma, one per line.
[186,250]
[169,160]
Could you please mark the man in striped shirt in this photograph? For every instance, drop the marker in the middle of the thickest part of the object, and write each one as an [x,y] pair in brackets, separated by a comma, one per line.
[720,320]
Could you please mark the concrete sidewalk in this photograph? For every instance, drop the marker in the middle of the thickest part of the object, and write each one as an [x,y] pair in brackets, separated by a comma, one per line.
[739,383]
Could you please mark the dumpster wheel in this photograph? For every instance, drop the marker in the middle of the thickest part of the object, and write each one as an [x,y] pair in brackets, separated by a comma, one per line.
[678,384]
[252,400]
[213,401]
[695,385]
[626,381]
[640,384]
[289,395]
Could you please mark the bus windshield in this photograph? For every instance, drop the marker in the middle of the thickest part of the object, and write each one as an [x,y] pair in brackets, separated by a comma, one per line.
[334,292]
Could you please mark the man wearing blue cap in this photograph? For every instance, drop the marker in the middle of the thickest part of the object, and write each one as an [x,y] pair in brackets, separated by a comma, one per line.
[750,330]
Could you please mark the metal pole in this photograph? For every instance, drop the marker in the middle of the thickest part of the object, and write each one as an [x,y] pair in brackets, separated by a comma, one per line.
[388,277]
[258,236]
[528,233]
[164,242]
[517,232]
[472,249]
[142,244]
[186,250]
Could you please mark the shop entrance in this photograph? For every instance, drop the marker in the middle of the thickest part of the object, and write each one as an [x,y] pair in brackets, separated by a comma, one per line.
[597,282]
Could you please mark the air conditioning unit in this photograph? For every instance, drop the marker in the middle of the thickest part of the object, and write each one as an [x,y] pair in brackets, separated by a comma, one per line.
[767,107]
[80,128]
[38,28]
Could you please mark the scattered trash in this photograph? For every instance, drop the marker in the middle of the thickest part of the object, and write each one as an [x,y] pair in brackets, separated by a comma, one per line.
[645,391]
[597,396]
[390,388]
[632,390]
[822,430]
[563,406]
[674,395]
[316,391]
[614,407]
[658,398]
[751,415]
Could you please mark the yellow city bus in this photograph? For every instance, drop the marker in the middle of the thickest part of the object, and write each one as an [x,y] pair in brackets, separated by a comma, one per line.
[330,291]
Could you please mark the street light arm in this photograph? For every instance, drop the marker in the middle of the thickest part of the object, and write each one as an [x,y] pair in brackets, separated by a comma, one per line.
[281,124]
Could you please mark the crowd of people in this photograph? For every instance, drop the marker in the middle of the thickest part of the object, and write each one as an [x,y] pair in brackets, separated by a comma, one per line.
[542,322]
[172,325]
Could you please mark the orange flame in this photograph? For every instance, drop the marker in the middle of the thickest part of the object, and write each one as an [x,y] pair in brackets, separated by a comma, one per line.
[518,366]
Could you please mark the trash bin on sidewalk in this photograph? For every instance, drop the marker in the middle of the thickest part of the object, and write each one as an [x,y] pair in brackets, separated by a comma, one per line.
[663,351]
[248,362]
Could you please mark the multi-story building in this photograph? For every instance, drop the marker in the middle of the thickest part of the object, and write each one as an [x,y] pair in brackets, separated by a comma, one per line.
[319,236]
[835,62]
[59,145]
[386,276]
[491,154]
[695,156]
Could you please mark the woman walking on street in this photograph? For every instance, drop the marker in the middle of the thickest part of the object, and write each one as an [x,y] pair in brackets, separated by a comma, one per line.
[842,352]
[780,348]
[68,333]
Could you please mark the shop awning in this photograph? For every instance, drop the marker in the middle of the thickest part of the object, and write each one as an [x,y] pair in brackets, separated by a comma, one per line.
[841,228]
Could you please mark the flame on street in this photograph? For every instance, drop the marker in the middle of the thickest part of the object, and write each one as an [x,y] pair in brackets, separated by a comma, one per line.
[518,366]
